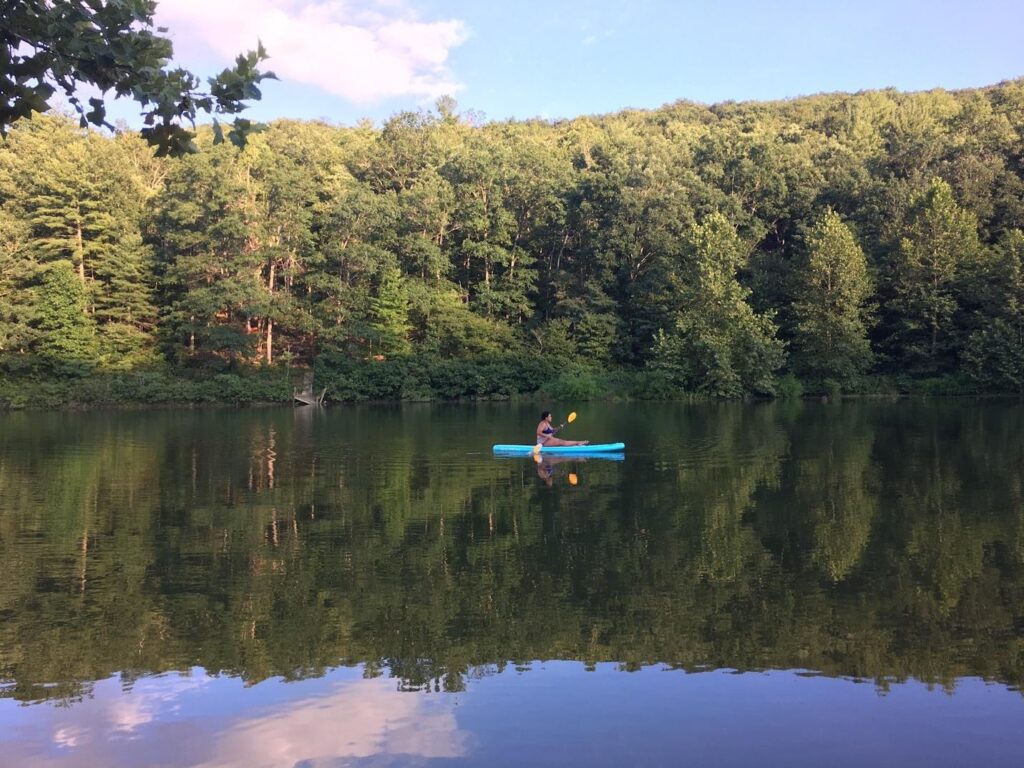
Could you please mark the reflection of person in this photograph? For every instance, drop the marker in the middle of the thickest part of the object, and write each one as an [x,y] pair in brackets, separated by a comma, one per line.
[546,471]
[546,468]
[546,434]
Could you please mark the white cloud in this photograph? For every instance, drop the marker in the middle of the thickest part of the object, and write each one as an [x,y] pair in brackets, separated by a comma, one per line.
[362,51]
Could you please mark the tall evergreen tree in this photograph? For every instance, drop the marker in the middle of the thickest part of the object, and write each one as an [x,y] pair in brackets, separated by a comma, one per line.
[66,202]
[208,277]
[389,314]
[82,203]
[122,282]
[67,332]
[18,305]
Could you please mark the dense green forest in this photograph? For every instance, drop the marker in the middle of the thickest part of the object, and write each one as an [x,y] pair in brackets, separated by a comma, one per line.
[865,243]
[860,541]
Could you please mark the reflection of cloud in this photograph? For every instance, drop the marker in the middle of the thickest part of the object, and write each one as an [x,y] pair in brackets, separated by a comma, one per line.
[70,737]
[365,718]
[361,51]
[202,721]
[149,699]
[128,714]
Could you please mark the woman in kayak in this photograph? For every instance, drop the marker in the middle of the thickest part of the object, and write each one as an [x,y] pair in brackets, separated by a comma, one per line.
[546,434]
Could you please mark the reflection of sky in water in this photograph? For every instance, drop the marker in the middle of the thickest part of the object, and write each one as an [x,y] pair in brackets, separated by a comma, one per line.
[218,722]
[556,714]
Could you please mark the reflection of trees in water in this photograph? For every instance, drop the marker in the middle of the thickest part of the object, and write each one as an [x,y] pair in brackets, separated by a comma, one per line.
[869,541]
[835,485]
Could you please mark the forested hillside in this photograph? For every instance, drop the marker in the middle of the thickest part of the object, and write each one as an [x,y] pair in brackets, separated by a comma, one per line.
[867,242]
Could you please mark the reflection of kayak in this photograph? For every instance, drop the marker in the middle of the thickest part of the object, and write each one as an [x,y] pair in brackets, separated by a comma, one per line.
[572,458]
[575,450]
[547,458]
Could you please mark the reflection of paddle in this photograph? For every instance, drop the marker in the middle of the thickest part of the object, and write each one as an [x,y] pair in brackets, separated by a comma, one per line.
[569,420]
[573,479]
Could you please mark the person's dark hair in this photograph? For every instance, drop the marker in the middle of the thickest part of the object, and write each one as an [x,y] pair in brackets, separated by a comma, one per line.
[544,415]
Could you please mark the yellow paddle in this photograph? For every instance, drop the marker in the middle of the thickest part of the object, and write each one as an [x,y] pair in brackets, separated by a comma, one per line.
[573,479]
[571,418]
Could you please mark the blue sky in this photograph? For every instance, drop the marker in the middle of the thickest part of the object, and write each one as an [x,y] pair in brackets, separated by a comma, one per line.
[346,59]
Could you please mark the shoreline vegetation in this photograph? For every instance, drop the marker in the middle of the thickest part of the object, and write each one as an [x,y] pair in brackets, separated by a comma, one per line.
[839,244]
[410,382]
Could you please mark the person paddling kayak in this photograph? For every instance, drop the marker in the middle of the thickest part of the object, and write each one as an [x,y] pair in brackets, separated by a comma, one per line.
[546,434]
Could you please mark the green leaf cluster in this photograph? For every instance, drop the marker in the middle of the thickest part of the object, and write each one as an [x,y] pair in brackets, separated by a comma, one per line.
[113,46]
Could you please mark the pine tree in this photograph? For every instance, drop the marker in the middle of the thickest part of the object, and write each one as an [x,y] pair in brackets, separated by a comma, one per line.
[68,334]
[209,278]
[18,307]
[389,314]
[81,203]
[67,204]
[124,309]
[122,278]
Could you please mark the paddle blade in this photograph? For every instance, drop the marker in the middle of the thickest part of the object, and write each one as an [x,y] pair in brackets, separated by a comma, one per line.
[572,417]
[536,450]
[573,479]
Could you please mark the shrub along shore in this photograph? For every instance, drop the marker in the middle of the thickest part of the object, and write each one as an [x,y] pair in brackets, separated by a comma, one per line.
[412,381]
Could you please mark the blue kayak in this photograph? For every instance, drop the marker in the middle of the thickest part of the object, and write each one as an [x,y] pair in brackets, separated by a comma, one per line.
[573,449]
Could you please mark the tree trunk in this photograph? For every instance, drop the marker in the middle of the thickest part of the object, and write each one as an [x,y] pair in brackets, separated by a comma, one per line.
[270,322]
[80,248]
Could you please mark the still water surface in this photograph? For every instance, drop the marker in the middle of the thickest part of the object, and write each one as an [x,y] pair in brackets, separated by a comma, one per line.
[773,584]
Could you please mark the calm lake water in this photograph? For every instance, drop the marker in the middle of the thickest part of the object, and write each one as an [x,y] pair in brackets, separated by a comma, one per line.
[792,584]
